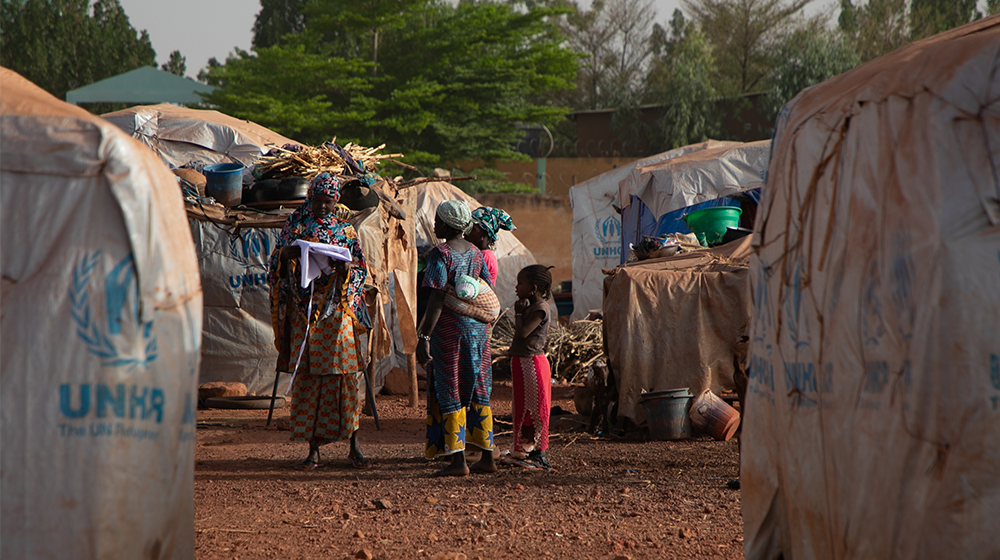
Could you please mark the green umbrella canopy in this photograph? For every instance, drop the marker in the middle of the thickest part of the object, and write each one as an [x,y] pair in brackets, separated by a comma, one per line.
[143,85]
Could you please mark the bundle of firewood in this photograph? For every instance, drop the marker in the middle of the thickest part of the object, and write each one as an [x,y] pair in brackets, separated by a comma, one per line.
[571,350]
[310,161]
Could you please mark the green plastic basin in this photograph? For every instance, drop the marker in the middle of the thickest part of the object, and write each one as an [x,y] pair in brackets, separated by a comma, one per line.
[712,222]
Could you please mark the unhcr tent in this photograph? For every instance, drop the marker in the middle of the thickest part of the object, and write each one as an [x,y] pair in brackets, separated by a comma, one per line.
[512,256]
[181,136]
[655,196]
[141,86]
[101,330]
[233,249]
[597,240]
[872,425]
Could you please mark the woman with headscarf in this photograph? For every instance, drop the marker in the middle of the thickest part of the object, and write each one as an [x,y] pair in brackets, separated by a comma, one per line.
[486,225]
[451,347]
[316,328]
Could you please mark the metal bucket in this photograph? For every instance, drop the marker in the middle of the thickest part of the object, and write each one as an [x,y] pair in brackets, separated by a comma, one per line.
[667,413]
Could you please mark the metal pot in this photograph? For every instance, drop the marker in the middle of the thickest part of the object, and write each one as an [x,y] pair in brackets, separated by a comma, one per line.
[261,191]
[293,188]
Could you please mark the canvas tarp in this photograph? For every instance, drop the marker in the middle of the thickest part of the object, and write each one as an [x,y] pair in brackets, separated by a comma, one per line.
[675,322]
[651,192]
[597,227]
[697,176]
[233,249]
[872,427]
[512,256]
[180,135]
[101,319]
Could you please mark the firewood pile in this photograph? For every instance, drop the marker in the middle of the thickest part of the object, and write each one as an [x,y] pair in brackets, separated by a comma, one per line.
[310,161]
[571,350]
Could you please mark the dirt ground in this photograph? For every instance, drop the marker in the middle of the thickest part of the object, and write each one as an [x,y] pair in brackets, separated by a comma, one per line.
[607,497]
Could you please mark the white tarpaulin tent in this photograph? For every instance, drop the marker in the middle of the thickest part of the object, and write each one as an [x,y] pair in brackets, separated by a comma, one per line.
[597,227]
[182,135]
[872,427]
[512,256]
[238,337]
[101,322]
[697,176]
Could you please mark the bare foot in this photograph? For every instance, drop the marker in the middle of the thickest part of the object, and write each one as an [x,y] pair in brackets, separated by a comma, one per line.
[452,470]
[480,468]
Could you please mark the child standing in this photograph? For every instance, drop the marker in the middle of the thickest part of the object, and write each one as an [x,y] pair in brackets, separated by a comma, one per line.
[529,367]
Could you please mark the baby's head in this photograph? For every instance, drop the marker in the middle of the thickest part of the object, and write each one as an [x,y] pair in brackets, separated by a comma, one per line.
[534,279]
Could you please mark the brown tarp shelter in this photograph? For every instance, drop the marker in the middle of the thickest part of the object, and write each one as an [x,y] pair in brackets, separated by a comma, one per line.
[872,426]
[675,322]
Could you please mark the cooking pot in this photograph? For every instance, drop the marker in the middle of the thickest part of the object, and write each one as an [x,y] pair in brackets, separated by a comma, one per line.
[293,188]
[261,191]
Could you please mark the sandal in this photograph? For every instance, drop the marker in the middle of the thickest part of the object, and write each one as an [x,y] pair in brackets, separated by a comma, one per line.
[307,465]
[361,462]
[538,458]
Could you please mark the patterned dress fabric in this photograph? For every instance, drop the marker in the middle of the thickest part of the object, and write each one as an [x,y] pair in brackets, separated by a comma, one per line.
[532,381]
[456,380]
[325,395]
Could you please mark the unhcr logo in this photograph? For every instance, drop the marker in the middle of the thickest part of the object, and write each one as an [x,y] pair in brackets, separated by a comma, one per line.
[608,230]
[609,234]
[252,249]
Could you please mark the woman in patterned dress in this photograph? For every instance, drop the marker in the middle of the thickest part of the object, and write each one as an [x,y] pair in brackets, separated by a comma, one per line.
[326,401]
[451,346]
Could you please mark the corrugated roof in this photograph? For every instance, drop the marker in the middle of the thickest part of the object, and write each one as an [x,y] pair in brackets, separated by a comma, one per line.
[145,85]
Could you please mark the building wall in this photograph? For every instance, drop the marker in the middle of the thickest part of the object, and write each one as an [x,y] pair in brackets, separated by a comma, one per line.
[560,173]
[544,225]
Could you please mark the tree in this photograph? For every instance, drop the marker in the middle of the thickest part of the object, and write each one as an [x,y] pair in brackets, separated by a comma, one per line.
[930,17]
[452,81]
[743,35]
[810,56]
[59,47]
[680,82]
[875,28]
[613,37]
[276,19]
[177,64]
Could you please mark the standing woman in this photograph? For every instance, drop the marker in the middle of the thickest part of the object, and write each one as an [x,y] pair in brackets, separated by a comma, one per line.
[326,404]
[451,346]
[486,224]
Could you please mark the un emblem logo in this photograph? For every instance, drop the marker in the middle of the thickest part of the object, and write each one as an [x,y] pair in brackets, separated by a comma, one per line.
[251,248]
[608,230]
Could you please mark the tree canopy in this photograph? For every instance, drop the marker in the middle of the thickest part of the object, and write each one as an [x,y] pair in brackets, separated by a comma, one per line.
[451,81]
[60,45]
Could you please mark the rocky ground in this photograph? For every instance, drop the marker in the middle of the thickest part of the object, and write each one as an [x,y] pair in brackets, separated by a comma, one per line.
[614,497]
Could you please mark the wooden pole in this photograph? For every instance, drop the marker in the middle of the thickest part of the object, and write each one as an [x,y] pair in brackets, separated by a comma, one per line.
[411,368]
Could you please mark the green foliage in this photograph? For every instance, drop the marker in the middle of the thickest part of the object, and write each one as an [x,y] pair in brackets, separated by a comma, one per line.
[276,19]
[177,64]
[489,180]
[681,83]
[451,84]
[810,56]
[930,17]
[743,35]
[59,46]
